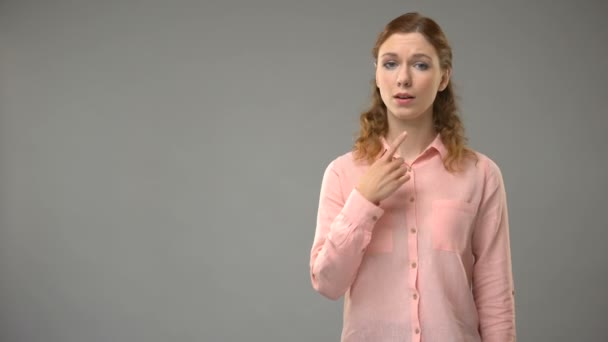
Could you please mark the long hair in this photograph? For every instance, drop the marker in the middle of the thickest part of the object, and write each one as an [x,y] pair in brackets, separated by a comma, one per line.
[446,121]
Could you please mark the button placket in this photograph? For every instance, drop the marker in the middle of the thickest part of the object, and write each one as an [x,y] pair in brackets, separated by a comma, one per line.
[412,262]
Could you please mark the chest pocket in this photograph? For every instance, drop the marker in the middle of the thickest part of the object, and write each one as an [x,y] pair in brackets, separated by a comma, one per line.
[452,225]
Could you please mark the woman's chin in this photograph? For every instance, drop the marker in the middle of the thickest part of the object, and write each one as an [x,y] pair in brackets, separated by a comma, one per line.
[407,115]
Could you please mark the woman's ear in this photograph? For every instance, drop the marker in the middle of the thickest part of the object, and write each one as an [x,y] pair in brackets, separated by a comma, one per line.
[445,79]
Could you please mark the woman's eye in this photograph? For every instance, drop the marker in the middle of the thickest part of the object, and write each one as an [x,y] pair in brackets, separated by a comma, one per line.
[390,65]
[421,66]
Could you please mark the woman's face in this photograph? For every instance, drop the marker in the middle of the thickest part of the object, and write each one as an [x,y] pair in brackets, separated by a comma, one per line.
[409,76]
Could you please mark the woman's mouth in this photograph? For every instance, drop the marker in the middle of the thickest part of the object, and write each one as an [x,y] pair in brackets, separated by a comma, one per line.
[403,98]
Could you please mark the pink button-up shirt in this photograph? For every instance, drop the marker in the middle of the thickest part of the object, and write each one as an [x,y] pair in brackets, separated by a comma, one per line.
[431,263]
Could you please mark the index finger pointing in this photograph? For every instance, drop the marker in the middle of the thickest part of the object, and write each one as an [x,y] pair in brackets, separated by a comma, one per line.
[393,148]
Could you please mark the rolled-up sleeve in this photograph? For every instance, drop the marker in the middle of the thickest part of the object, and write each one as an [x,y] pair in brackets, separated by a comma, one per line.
[493,286]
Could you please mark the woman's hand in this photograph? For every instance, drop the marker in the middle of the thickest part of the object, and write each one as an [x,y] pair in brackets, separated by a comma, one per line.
[385,175]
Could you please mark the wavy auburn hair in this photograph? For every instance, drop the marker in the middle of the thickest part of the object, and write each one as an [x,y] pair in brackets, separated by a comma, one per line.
[374,122]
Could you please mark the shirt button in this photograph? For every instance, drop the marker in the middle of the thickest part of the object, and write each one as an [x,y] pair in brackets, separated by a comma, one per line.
[414,265]
[417,331]
[413,230]
[415,296]
[374,217]
[412,199]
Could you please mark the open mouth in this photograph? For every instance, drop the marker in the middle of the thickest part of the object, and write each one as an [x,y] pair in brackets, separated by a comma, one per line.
[404,96]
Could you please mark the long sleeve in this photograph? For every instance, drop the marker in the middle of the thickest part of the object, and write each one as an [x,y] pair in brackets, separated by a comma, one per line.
[343,230]
[493,286]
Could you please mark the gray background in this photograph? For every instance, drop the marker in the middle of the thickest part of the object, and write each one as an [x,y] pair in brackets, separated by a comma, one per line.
[160,162]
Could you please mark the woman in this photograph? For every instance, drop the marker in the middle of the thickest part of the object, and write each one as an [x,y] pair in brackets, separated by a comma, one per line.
[412,225]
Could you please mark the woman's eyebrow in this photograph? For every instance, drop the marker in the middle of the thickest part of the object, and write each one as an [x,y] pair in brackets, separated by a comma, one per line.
[421,55]
[416,55]
[390,54]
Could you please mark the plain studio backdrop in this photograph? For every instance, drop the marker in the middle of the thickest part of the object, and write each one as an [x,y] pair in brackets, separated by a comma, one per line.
[160,161]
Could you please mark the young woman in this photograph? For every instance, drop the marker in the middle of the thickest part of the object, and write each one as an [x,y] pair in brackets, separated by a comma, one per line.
[412,227]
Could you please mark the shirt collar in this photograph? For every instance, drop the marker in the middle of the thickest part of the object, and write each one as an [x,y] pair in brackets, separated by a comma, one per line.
[436,144]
